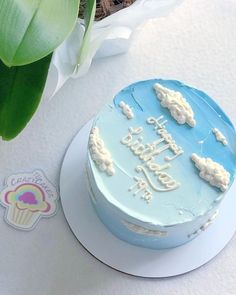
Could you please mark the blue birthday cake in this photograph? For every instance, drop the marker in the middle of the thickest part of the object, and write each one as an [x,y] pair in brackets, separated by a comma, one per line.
[161,157]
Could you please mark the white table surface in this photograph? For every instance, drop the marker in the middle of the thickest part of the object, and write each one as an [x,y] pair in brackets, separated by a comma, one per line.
[196,43]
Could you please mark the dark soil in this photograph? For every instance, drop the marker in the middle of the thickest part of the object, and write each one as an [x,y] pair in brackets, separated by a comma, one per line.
[105,7]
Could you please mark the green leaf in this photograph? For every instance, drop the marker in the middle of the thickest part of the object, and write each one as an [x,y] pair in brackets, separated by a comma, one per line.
[20,92]
[31,29]
[88,19]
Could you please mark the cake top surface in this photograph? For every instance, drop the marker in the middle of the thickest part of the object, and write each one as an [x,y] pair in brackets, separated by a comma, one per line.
[163,152]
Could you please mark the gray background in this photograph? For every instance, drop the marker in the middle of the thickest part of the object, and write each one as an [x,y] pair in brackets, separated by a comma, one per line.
[196,43]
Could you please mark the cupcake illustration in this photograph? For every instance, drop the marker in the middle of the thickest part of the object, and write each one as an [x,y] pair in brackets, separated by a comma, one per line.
[25,205]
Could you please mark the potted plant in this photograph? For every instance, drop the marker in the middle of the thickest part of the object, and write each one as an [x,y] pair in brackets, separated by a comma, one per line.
[35,34]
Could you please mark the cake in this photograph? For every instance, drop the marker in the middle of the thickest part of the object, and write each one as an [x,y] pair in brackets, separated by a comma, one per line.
[161,157]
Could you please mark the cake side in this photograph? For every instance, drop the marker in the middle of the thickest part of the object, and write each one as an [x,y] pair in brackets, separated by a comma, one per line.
[143,233]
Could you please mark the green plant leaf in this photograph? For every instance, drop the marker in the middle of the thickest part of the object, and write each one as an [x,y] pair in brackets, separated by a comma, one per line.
[20,93]
[88,20]
[31,29]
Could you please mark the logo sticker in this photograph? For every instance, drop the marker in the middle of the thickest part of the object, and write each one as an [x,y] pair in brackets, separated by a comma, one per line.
[28,197]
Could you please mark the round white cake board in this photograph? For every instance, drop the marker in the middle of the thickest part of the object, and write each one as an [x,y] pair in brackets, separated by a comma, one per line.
[138,261]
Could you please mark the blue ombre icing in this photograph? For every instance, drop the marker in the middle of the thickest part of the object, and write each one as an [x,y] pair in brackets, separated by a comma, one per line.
[168,218]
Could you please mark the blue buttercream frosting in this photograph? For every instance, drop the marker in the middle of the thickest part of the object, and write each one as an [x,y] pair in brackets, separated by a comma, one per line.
[194,199]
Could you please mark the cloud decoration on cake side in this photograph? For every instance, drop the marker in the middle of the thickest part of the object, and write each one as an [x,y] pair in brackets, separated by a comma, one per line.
[100,155]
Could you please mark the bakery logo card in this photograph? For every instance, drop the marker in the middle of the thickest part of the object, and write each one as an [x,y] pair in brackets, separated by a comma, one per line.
[28,197]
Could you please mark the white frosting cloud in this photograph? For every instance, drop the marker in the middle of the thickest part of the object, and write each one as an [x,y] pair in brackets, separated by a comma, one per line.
[99,153]
[144,231]
[126,110]
[212,172]
[205,225]
[219,136]
[179,108]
